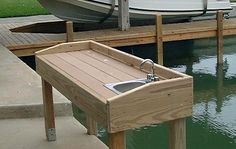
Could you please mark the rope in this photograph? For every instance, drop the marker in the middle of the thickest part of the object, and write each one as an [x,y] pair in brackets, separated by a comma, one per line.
[113,5]
[205,6]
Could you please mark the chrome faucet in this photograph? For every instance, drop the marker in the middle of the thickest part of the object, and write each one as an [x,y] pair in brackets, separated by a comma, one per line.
[151,77]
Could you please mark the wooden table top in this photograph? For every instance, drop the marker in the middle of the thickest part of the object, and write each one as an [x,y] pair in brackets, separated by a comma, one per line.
[92,70]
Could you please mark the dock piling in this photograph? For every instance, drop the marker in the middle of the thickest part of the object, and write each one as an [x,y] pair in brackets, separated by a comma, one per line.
[69,31]
[123,17]
[220,37]
[159,39]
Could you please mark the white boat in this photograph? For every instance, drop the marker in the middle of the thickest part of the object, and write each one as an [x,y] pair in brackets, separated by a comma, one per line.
[85,11]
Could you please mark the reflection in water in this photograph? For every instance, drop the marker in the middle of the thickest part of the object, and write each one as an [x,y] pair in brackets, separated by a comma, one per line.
[213,124]
[215,100]
[216,110]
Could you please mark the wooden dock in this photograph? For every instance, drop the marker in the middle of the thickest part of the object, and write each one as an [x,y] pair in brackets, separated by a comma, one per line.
[25,44]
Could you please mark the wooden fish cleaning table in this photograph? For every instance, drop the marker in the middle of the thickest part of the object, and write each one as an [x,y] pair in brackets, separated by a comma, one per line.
[80,70]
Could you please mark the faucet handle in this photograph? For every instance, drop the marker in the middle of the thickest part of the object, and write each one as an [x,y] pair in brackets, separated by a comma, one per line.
[149,78]
[155,78]
[152,78]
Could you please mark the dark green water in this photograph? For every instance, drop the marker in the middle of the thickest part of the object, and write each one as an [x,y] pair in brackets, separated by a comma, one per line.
[213,124]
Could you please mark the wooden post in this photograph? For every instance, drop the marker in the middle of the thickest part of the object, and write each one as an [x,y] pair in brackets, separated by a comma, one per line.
[91,126]
[117,140]
[123,16]
[48,111]
[159,39]
[178,134]
[69,31]
[220,37]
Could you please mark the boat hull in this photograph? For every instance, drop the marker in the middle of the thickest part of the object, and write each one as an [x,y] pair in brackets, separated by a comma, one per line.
[83,11]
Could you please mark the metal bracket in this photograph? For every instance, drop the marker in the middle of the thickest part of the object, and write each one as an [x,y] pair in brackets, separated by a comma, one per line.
[51,134]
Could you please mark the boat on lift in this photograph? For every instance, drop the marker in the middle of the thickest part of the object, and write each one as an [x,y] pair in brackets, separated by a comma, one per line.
[87,11]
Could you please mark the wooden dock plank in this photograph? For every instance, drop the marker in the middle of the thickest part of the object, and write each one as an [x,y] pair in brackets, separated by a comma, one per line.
[114,37]
[29,39]
[20,36]
[8,39]
[36,39]
[16,38]
[5,40]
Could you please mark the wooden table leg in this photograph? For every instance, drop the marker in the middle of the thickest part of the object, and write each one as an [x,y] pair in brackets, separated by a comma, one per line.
[48,111]
[91,126]
[117,140]
[178,134]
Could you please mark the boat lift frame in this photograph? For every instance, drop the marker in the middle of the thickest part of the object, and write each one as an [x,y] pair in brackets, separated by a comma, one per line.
[123,17]
[123,10]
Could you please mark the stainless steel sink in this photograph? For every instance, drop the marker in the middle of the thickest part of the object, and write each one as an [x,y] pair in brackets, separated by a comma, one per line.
[122,87]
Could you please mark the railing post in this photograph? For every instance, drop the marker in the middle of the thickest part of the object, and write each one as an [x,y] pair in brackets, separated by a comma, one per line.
[220,37]
[117,140]
[123,16]
[69,31]
[159,39]
[177,134]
